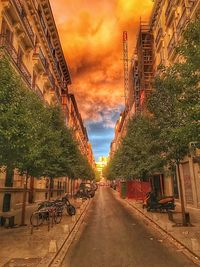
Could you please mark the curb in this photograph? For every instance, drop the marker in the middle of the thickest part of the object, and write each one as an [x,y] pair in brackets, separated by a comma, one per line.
[185,250]
[55,259]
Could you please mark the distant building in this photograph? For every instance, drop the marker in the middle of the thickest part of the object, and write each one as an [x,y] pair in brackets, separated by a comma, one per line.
[100,164]
[29,39]
[156,45]
[75,122]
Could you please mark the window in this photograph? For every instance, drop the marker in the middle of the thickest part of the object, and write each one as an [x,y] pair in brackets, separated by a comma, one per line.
[19,56]
[34,80]
[6,32]
[6,202]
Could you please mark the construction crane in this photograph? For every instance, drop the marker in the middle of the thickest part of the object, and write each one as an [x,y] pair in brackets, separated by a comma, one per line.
[125,60]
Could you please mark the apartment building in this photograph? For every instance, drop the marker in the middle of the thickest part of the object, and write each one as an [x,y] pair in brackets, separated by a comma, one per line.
[155,45]
[167,23]
[79,130]
[29,38]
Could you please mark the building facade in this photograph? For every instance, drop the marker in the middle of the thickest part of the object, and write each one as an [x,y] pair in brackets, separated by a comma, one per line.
[80,133]
[167,23]
[155,45]
[100,164]
[29,39]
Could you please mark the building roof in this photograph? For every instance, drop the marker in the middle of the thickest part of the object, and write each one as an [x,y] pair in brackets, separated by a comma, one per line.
[45,4]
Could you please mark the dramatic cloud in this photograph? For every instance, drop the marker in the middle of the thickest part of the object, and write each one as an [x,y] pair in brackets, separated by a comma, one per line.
[91,37]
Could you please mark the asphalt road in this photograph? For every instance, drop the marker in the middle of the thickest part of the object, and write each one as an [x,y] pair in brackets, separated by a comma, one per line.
[112,236]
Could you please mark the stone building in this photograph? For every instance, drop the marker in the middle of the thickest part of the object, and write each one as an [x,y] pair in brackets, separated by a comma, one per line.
[29,38]
[167,23]
[155,45]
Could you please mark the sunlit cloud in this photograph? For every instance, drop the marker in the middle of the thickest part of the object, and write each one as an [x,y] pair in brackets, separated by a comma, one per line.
[91,37]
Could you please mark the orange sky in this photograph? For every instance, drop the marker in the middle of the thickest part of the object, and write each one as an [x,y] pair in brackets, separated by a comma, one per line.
[91,37]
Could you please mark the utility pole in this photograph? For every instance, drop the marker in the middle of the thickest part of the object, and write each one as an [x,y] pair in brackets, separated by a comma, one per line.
[125,60]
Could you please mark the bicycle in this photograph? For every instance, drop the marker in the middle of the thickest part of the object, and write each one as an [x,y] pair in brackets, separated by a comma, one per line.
[45,214]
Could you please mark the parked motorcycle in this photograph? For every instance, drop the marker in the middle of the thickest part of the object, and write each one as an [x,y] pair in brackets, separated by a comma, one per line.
[163,204]
[60,204]
[85,193]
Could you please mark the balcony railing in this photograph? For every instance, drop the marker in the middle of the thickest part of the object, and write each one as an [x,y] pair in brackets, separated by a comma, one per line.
[58,96]
[13,54]
[169,11]
[24,19]
[39,92]
[51,48]
[51,78]
[182,22]
[192,4]
[42,58]
[171,45]
[158,36]
[39,54]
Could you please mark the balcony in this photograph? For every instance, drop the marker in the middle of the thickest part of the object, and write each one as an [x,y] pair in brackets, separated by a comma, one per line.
[58,96]
[171,45]
[50,81]
[14,56]
[39,92]
[51,47]
[159,36]
[181,23]
[24,20]
[192,4]
[170,11]
[40,59]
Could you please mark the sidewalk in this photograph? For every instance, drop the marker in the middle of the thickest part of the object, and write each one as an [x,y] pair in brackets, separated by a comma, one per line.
[187,237]
[27,246]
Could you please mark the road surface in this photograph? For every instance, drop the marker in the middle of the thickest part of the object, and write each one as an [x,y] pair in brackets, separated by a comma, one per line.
[112,236]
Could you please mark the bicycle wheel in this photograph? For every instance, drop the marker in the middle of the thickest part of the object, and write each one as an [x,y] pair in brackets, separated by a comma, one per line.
[36,219]
[71,210]
[57,216]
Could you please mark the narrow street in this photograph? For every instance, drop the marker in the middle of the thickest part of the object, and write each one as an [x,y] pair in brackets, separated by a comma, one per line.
[112,236]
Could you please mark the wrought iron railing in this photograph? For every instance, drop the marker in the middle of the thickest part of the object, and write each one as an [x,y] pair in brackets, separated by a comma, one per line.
[159,35]
[58,94]
[42,57]
[7,45]
[171,45]
[51,48]
[181,23]
[38,51]
[24,19]
[51,78]
[192,4]
[39,92]
[169,8]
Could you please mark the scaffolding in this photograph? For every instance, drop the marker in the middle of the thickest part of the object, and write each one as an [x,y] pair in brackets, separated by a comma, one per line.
[143,66]
[125,60]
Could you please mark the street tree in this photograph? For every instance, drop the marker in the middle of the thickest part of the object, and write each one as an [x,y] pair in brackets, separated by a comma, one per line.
[140,149]
[175,102]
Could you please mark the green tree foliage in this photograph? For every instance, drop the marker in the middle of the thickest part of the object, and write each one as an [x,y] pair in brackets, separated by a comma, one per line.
[175,102]
[138,156]
[34,138]
[163,137]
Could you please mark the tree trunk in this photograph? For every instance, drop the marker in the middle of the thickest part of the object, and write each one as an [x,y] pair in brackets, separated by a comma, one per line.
[181,196]
[24,201]
[71,184]
[49,195]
